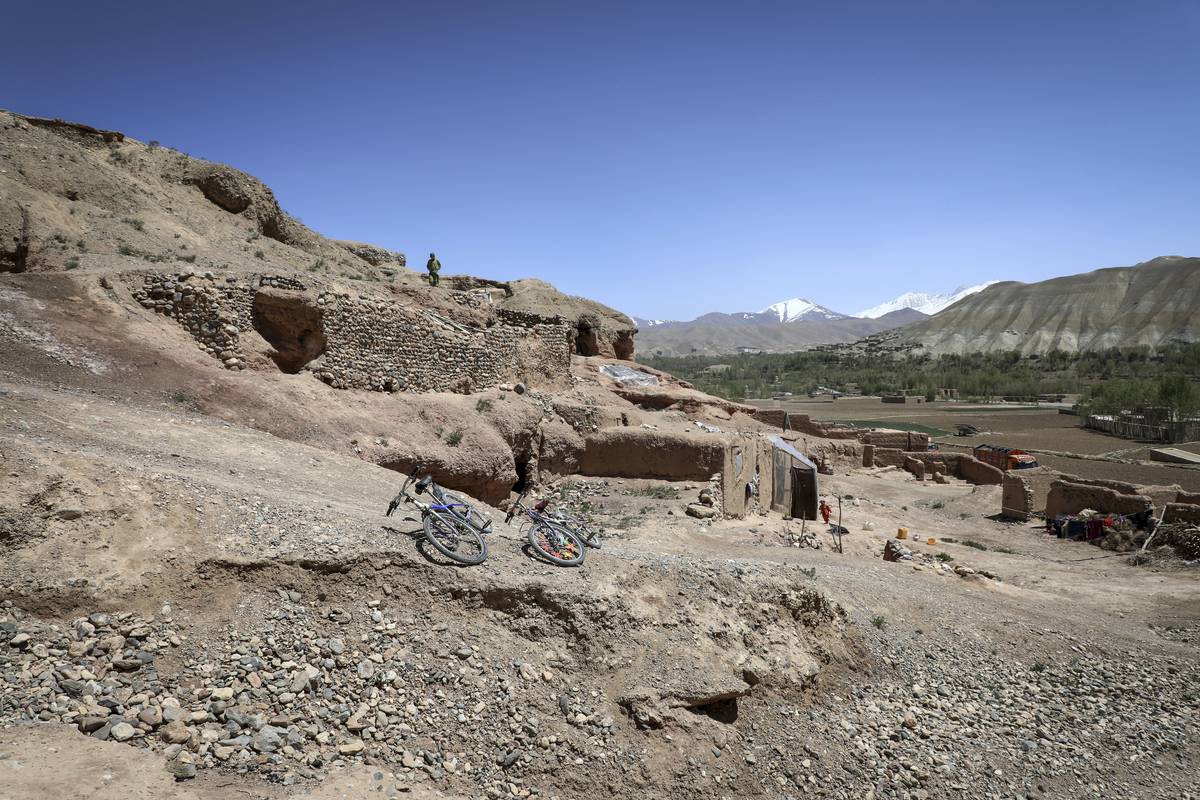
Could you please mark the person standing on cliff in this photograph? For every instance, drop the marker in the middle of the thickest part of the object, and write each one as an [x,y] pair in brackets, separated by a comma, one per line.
[434,267]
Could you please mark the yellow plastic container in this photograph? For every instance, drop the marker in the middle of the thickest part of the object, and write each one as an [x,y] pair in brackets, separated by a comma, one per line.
[931,540]
[902,533]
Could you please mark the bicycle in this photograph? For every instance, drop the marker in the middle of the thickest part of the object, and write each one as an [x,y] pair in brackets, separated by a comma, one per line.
[550,538]
[448,522]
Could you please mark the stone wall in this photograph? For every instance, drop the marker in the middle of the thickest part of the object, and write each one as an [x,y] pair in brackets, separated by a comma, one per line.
[1190,498]
[1067,497]
[360,341]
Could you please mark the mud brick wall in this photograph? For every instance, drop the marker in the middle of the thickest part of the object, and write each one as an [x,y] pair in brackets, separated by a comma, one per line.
[1190,498]
[975,471]
[915,466]
[904,440]
[889,457]
[640,453]
[771,416]
[1016,499]
[1182,512]
[1067,497]
[803,423]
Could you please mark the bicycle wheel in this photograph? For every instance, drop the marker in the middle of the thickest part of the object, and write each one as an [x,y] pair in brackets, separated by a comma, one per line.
[556,544]
[589,536]
[455,539]
[583,530]
[474,517]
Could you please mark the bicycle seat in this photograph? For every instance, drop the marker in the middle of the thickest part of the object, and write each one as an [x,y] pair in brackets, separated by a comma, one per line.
[423,484]
[541,505]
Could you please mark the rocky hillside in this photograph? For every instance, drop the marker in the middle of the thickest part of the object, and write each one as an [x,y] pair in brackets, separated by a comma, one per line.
[1154,303]
[75,197]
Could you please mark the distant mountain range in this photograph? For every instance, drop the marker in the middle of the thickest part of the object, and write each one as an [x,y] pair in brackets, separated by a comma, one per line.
[922,301]
[800,310]
[793,324]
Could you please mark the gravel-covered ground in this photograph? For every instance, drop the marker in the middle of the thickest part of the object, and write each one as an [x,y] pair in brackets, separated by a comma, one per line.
[238,606]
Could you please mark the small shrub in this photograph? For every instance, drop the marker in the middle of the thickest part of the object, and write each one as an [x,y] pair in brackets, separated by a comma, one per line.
[944,557]
[484,405]
[937,504]
[179,397]
[260,254]
[657,491]
[809,571]
[904,508]
[438,432]
[949,540]
[136,224]
[153,144]
[191,259]
[1038,666]
[454,438]
[58,237]
[879,621]
[126,250]
[72,263]
[1007,550]
[82,245]
[976,545]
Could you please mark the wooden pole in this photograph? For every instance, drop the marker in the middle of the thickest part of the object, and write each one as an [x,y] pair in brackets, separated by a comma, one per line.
[839,531]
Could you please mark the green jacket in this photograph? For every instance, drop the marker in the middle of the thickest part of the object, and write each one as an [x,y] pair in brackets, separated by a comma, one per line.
[433,265]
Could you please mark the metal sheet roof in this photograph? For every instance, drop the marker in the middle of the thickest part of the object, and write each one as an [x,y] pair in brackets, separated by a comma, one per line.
[793,452]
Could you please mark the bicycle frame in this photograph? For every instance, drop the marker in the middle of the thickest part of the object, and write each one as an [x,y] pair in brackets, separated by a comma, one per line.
[426,508]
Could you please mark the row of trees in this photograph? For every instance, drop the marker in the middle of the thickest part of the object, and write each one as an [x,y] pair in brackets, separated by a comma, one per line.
[979,375]
[1175,397]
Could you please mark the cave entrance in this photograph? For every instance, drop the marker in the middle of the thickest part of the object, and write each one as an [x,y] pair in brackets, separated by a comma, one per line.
[587,340]
[522,477]
[291,324]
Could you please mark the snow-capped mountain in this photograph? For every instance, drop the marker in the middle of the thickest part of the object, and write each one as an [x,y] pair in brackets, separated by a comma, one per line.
[924,302]
[798,309]
[647,323]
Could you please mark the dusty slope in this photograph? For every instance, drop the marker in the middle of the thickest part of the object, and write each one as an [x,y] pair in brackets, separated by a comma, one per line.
[684,660]
[1153,303]
[72,197]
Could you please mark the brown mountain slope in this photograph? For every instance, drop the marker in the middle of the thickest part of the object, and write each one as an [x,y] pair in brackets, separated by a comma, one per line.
[1154,303]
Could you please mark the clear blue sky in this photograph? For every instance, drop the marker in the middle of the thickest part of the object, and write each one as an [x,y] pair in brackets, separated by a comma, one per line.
[669,158]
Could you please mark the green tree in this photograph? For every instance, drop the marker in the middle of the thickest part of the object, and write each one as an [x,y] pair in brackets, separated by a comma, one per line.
[1180,396]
